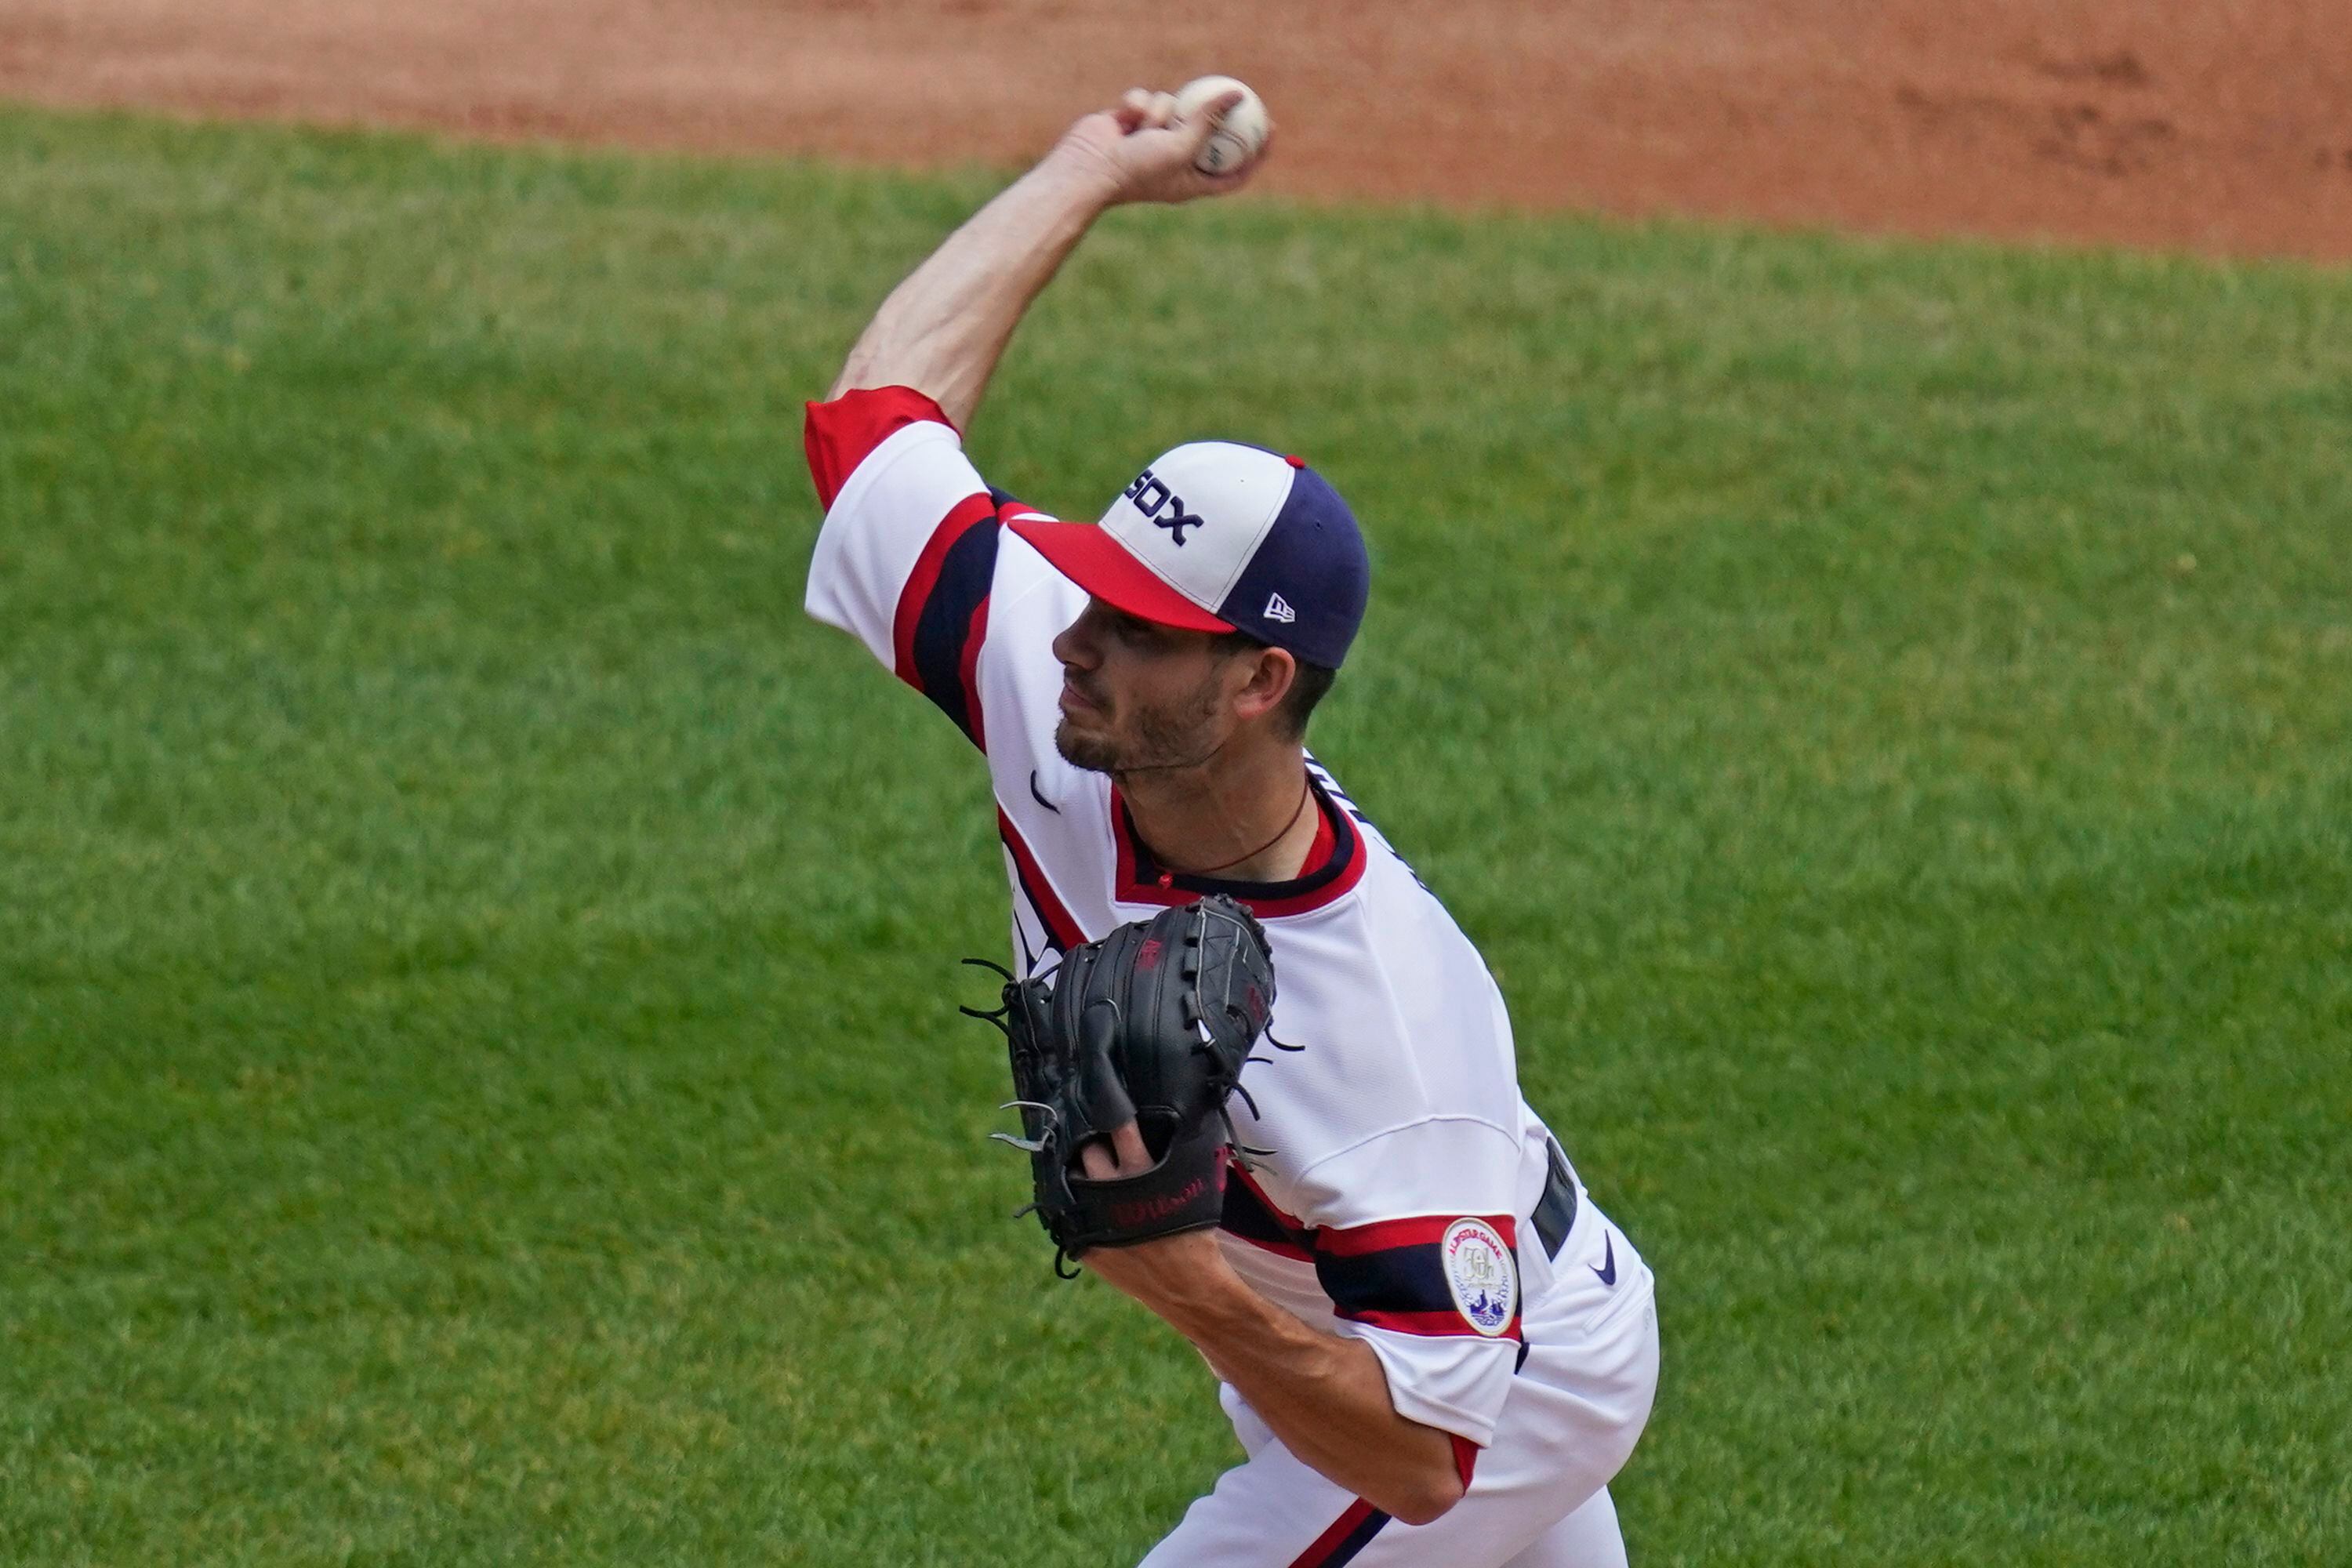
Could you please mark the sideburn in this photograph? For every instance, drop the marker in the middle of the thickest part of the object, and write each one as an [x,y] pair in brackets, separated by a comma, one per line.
[1180,736]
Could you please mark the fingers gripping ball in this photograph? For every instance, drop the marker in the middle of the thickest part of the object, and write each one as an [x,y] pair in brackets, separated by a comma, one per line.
[1240,136]
[1151,1025]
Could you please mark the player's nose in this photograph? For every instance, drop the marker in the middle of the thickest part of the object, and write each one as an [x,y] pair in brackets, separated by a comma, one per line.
[1074,648]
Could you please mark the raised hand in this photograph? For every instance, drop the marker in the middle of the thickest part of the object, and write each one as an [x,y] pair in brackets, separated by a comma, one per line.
[1141,154]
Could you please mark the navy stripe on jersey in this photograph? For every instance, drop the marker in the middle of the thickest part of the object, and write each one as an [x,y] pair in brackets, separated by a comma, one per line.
[1371,1286]
[948,623]
[1248,1215]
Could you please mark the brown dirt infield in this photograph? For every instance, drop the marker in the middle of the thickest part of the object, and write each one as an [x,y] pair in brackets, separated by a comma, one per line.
[2216,125]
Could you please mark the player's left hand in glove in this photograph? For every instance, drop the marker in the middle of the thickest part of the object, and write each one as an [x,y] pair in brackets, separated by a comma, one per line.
[1149,1025]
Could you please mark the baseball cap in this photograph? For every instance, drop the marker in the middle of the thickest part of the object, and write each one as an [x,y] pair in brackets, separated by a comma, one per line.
[1216,536]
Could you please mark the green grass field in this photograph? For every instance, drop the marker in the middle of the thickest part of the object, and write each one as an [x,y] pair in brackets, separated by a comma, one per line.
[479,1081]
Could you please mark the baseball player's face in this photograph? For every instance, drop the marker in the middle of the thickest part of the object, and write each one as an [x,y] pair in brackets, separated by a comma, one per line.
[1139,695]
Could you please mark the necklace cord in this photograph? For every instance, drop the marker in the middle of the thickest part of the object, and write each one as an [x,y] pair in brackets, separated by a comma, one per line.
[1305,793]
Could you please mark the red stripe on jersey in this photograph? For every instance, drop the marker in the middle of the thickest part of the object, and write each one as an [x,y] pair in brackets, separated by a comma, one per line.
[1050,909]
[1419,1231]
[1346,1538]
[968,674]
[1432,1325]
[968,513]
[1423,1230]
[842,433]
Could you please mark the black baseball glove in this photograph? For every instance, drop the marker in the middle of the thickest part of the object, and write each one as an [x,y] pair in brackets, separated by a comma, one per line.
[1149,1025]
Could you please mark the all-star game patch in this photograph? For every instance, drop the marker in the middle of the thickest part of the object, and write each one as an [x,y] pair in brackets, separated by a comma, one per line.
[1482,1274]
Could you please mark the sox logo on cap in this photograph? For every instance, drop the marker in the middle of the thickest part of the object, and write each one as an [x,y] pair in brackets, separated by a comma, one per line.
[1152,497]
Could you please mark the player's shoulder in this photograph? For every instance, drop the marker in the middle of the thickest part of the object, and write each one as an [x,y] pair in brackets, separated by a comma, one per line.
[1398,923]
[1387,972]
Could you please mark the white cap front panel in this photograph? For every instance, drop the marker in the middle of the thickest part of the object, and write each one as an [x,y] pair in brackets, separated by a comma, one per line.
[1199,512]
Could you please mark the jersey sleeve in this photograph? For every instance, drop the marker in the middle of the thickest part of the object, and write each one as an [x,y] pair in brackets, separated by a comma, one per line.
[1414,1238]
[906,558]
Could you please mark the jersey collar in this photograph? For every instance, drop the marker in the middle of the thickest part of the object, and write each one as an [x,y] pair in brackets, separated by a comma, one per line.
[1139,879]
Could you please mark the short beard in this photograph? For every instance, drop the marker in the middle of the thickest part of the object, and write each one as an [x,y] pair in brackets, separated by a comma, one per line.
[1094,753]
[1163,739]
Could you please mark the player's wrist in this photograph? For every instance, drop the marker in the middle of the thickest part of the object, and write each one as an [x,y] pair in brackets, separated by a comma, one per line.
[1183,1280]
[1208,1302]
[1089,179]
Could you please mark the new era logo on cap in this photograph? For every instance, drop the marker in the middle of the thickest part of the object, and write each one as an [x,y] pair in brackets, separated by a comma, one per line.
[1217,536]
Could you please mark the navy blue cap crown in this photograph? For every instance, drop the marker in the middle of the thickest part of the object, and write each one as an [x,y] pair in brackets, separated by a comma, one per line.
[1305,586]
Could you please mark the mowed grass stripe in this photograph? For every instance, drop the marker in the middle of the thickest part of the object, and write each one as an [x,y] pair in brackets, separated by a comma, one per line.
[478,1082]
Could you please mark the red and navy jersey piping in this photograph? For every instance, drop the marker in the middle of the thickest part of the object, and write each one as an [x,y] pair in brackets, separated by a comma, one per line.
[943,616]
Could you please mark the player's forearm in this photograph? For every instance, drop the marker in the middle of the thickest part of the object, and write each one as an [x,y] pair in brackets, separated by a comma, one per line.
[1327,1399]
[942,330]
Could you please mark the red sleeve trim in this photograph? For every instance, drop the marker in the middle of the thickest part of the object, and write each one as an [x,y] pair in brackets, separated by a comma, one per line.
[842,433]
[1465,1458]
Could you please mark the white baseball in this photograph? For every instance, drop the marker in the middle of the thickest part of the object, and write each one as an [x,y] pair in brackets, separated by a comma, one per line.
[1241,134]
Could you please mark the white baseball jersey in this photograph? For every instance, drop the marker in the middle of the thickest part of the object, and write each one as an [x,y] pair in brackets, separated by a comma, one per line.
[1395,1203]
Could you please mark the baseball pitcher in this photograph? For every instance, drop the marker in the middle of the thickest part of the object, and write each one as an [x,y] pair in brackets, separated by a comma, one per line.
[1434,1347]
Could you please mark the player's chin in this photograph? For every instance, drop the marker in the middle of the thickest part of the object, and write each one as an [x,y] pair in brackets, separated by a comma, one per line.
[1084,747]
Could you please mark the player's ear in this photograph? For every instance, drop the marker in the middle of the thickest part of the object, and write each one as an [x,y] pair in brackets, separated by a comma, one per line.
[1271,672]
